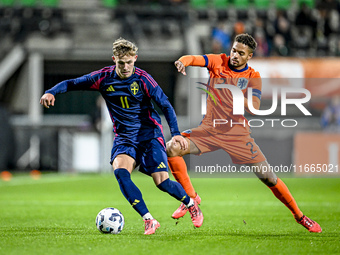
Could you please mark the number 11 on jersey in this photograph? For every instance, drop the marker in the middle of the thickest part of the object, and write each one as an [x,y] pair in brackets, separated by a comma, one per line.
[124,102]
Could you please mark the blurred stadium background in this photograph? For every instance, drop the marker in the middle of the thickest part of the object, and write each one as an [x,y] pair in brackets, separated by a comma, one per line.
[43,42]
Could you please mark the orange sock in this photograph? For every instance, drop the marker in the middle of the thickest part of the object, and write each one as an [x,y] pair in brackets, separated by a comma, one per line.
[281,191]
[179,171]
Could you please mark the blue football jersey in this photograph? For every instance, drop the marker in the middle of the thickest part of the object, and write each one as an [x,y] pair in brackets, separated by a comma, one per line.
[128,102]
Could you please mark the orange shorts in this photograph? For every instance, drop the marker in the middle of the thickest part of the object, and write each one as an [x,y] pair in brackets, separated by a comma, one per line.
[242,149]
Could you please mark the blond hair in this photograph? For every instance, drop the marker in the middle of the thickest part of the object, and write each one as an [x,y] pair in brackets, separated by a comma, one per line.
[123,47]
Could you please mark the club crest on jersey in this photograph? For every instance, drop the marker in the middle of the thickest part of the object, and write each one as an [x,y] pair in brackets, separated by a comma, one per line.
[134,87]
[242,83]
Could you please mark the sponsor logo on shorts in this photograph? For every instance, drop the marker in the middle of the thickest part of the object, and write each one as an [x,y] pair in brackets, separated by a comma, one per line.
[161,165]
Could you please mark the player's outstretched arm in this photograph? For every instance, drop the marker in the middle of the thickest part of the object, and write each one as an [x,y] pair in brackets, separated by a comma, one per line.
[47,100]
[181,140]
[189,60]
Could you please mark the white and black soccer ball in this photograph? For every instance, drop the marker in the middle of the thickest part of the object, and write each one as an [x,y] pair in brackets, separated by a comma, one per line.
[110,221]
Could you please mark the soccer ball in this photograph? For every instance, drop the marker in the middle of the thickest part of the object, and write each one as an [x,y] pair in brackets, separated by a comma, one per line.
[110,221]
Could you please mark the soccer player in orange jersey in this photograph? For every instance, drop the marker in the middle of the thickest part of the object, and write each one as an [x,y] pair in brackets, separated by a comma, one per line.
[234,139]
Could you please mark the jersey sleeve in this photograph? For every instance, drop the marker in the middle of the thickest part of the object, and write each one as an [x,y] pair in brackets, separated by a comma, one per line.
[255,83]
[193,60]
[154,91]
[86,82]
[213,61]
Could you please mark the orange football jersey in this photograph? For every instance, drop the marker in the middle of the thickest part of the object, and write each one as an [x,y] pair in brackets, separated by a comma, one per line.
[222,73]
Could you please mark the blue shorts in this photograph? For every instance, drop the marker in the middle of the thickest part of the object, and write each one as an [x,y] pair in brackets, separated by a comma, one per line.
[150,155]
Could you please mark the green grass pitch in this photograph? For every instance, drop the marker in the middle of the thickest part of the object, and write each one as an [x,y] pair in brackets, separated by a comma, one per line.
[56,215]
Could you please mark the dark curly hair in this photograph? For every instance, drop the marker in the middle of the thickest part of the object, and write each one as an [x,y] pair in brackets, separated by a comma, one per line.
[248,40]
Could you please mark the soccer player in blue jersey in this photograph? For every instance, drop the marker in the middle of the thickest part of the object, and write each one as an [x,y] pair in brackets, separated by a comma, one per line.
[139,139]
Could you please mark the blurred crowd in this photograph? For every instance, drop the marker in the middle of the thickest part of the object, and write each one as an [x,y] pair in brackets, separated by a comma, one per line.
[303,31]
[330,118]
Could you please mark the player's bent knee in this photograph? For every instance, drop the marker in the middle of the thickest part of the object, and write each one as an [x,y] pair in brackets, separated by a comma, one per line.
[159,177]
[172,149]
[270,182]
[271,179]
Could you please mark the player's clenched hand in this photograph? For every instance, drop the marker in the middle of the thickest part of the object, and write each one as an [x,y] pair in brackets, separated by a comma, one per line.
[47,100]
[181,140]
[180,67]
